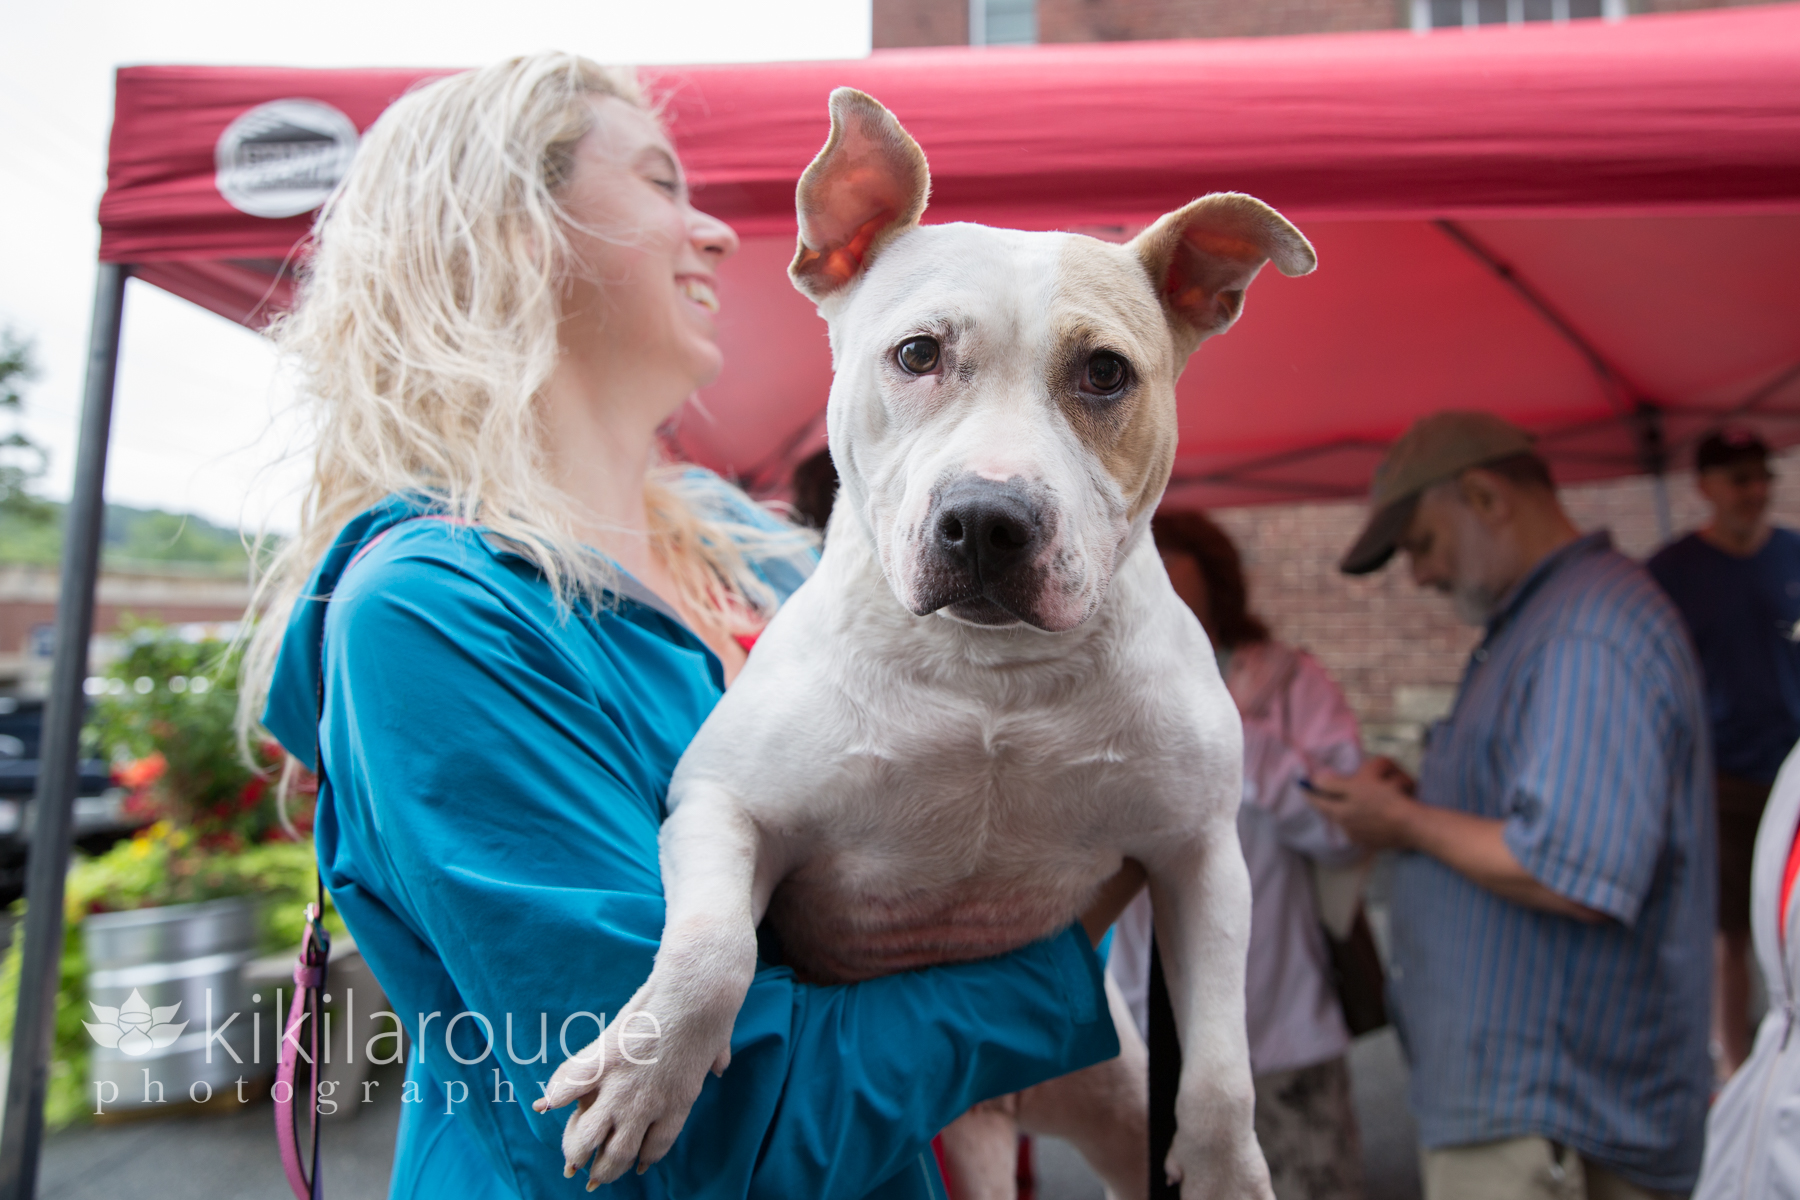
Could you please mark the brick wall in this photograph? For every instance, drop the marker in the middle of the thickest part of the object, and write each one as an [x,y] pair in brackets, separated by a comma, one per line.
[1660,6]
[899,23]
[946,22]
[28,602]
[1398,651]
[1133,20]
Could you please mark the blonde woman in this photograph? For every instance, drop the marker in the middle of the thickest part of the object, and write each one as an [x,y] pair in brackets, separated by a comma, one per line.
[501,623]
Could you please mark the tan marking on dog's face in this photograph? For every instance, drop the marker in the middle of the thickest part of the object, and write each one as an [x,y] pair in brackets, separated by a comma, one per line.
[1104,302]
[1006,410]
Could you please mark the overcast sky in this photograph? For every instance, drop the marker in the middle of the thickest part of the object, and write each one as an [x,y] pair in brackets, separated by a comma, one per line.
[195,424]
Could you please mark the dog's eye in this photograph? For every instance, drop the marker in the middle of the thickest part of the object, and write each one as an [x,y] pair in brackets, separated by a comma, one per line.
[918,356]
[1106,374]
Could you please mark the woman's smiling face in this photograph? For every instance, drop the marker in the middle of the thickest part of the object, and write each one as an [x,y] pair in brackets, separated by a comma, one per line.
[641,298]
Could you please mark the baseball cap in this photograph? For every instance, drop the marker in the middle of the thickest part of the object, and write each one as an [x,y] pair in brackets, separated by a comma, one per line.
[1727,447]
[1438,447]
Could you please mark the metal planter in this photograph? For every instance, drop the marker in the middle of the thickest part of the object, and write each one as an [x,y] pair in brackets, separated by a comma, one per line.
[162,982]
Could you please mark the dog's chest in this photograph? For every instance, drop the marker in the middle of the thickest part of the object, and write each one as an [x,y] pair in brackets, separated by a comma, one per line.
[956,838]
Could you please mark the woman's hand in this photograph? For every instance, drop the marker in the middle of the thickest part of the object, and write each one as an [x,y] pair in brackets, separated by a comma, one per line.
[1112,898]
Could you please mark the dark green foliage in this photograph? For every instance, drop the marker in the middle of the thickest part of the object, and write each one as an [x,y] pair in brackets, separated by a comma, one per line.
[139,535]
[134,537]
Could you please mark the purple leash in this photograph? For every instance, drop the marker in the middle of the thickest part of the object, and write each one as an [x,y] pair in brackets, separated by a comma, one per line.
[309,985]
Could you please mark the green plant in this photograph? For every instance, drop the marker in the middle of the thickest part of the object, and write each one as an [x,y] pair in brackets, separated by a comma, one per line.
[280,874]
[65,1099]
[158,867]
[165,720]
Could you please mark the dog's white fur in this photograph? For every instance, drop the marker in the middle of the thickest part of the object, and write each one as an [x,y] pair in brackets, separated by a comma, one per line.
[907,773]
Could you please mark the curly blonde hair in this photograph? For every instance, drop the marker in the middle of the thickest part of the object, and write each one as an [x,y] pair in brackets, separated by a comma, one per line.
[426,331]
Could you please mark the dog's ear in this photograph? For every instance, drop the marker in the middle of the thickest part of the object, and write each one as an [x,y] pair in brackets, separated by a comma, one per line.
[867,186]
[1201,258]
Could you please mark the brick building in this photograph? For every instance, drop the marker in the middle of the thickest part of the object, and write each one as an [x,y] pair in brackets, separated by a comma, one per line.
[168,594]
[996,22]
[1397,651]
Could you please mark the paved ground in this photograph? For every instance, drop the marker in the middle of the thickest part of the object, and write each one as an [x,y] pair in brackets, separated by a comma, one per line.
[218,1156]
[231,1155]
[1378,1075]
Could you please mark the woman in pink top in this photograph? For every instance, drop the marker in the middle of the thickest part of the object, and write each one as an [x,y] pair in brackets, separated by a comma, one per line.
[1295,722]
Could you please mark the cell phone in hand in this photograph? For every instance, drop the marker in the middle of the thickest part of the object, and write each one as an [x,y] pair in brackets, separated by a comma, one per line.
[1307,785]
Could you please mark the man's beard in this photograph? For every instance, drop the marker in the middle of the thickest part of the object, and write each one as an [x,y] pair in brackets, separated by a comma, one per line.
[1474,597]
[1474,602]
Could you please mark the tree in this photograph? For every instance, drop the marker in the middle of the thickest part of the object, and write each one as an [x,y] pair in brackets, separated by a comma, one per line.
[22,461]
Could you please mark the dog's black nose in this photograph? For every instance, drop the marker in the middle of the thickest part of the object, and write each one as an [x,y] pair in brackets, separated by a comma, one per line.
[987,528]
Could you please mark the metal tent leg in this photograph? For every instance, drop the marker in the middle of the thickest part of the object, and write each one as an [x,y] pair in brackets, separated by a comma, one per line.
[1665,517]
[53,807]
[1653,453]
[1165,1077]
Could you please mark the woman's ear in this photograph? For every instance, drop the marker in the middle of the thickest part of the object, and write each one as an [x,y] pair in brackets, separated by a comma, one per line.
[1201,257]
[867,186]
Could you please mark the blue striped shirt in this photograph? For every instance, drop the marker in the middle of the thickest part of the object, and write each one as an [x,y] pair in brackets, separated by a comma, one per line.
[1580,724]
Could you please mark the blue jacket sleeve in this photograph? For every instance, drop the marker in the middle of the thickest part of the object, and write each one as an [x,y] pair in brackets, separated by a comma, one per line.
[489,832]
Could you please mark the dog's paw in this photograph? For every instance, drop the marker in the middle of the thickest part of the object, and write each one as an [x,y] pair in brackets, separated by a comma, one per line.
[1221,1168]
[634,1086]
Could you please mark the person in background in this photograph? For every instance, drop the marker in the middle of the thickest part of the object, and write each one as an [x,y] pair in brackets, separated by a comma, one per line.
[1553,898]
[1296,721]
[815,484]
[1750,1135]
[1737,584]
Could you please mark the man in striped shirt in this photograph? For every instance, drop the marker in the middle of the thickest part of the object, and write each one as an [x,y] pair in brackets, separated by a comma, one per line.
[1554,888]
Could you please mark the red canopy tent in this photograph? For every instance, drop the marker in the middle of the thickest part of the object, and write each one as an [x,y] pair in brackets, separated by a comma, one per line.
[1593,229]
[1641,180]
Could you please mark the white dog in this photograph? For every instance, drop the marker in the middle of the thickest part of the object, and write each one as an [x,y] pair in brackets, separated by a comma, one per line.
[988,697]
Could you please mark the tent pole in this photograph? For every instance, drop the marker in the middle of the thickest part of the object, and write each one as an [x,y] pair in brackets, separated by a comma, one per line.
[53,807]
[1665,520]
[1618,388]
[1164,1045]
[1646,417]
[1653,453]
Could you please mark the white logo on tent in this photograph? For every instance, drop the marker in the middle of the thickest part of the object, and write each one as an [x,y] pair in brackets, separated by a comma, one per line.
[283,158]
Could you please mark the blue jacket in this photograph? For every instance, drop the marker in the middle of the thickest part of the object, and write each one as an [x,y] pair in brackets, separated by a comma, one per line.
[494,776]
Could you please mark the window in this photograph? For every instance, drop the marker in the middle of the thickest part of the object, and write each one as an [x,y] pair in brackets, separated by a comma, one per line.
[1002,22]
[1445,14]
